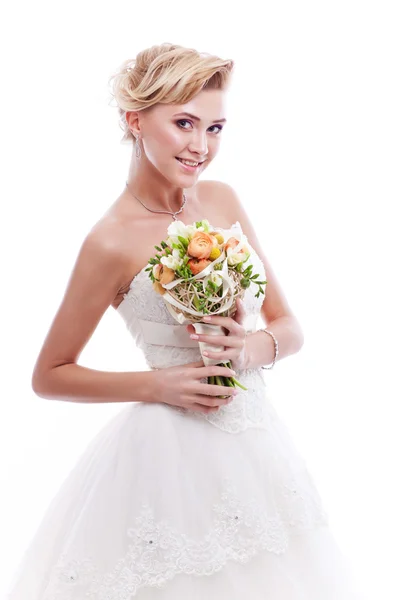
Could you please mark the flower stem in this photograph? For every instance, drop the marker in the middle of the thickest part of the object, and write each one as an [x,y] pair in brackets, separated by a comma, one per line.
[236,382]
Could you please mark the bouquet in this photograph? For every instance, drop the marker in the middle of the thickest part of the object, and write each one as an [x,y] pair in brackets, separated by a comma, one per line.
[200,270]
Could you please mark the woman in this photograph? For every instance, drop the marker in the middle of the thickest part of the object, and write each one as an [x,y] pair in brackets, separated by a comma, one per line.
[183,494]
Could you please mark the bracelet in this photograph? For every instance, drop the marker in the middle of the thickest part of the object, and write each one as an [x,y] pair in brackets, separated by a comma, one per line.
[275,346]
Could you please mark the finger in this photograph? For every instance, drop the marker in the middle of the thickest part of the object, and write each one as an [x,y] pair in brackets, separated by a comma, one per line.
[203,409]
[231,341]
[240,313]
[211,370]
[208,389]
[222,356]
[209,400]
[230,324]
[226,322]
[197,363]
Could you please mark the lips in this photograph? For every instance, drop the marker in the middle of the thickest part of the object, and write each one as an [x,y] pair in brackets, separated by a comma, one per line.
[189,159]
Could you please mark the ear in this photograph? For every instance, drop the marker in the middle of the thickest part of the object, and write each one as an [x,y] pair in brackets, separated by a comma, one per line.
[132,118]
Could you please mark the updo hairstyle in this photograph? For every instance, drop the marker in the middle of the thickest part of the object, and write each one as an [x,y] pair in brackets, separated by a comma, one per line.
[167,74]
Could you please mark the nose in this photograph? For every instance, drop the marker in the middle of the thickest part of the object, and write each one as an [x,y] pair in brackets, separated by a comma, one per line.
[198,143]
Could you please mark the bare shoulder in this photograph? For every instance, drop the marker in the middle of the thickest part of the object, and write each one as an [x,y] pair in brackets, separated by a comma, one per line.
[222,195]
[214,198]
[96,277]
[105,248]
[275,304]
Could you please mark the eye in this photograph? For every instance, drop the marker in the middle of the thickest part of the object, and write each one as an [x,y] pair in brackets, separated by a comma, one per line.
[182,121]
[219,127]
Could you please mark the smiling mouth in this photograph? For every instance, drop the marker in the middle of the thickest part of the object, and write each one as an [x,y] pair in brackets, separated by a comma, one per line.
[189,163]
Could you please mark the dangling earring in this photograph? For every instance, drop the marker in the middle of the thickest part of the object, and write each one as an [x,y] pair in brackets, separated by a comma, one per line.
[138,150]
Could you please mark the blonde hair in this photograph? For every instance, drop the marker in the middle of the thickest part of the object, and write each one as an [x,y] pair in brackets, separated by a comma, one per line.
[167,74]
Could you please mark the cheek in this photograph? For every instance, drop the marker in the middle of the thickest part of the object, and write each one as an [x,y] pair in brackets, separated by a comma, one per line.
[214,144]
[170,140]
[164,145]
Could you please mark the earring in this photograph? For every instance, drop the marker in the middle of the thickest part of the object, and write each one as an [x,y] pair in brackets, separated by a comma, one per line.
[137,148]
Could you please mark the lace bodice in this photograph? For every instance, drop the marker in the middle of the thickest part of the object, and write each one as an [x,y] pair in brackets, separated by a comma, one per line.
[169,344]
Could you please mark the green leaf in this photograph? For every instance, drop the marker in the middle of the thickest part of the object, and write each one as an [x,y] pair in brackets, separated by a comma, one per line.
[197,302]
[183,241]
[158,248]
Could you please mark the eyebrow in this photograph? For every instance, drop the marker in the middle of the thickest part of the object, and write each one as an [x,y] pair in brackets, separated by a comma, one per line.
[197,118]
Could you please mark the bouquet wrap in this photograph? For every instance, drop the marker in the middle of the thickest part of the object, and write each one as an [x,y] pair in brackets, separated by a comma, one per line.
[209,329]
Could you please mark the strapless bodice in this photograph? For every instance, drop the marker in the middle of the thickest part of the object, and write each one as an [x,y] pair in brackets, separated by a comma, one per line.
[165,343]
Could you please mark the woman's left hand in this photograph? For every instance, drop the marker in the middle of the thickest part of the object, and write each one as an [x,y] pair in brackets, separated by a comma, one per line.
[234,342]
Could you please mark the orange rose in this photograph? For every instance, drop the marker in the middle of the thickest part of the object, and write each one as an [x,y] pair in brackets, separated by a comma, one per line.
[200,245]
[232,243]
[159,288]
[198,265]
[163,274]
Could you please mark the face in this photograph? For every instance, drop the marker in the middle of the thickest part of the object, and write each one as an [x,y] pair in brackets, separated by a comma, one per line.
[168,134]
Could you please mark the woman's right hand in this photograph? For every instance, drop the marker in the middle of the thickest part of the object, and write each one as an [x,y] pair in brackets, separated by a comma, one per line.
[181,386]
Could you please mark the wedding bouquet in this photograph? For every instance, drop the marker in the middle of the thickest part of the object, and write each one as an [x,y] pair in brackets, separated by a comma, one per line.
[200,270]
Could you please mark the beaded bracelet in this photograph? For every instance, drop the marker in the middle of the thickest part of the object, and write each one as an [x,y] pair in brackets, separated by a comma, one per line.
[275,346]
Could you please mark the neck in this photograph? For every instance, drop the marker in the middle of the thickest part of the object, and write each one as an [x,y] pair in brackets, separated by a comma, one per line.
[147,183]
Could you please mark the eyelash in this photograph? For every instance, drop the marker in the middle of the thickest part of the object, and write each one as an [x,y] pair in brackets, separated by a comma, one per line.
[220,127]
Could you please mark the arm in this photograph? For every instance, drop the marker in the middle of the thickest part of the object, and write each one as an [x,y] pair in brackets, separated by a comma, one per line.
[275,311]
[100,271]
[74,383]
[260,349]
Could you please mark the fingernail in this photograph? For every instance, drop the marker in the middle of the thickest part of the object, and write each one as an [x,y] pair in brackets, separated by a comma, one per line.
[194,336]
[206,318]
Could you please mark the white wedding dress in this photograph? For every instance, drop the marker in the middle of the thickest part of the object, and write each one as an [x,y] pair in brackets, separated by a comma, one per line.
[167,504]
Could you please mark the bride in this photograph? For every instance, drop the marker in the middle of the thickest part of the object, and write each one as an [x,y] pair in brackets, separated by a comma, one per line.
[184,494]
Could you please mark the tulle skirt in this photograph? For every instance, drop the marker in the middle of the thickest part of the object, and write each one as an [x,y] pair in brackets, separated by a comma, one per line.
[164,505]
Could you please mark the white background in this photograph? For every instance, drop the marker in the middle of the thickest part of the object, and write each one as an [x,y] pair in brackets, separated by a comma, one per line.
[311,146]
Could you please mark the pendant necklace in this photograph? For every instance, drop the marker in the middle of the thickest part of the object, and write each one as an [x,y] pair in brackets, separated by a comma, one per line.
[161,211]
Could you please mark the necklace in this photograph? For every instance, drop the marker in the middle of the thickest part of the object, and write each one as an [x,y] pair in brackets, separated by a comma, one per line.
[160,211]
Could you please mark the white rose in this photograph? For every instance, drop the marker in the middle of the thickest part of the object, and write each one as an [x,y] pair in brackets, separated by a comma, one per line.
[177,228]
[234,258]
[206,225]
[172,262]
[215,278]
[190,230]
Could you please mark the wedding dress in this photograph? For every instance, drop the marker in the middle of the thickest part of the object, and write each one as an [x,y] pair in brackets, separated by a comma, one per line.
[167,504]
